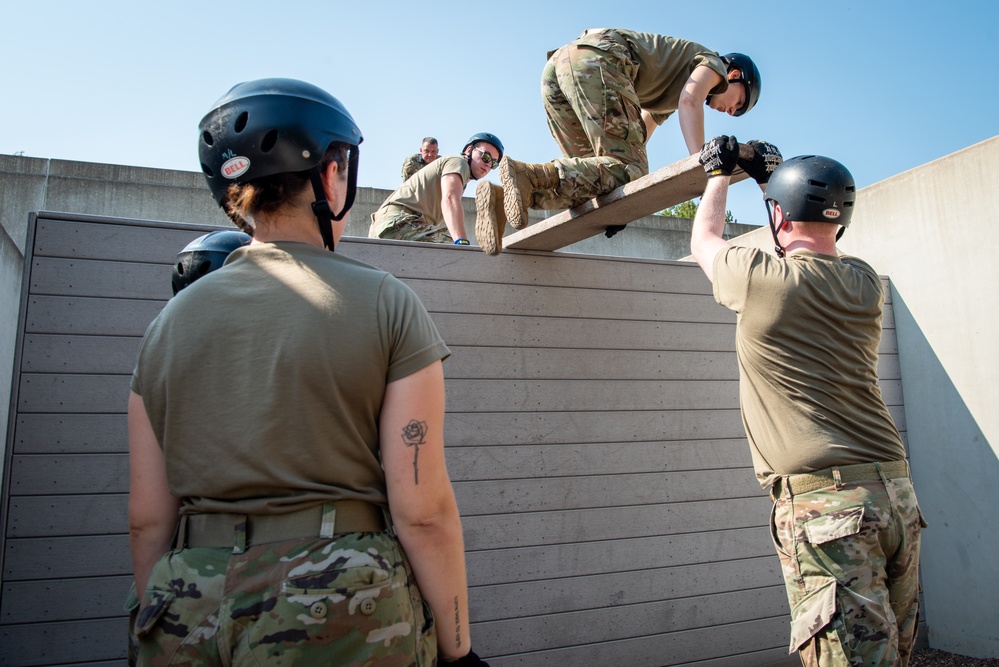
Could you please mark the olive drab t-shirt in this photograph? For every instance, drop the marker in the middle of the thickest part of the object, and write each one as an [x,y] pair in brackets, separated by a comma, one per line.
[422,192]
[807,336]
[663,66]
[264,380]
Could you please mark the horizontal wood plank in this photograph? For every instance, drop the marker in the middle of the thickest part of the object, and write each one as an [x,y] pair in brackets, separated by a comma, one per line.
[606,591]
[596,524]
[118,242]
[64,599]
[497,428]
[747,644]
[525,300]
[68,642]
[468,463]
[66,433]
[412,260]
[524,564]
[563,493]
[46,353]
[585,395]
[53,516]
[554,631]
[673,184]
[583,333]
[523,363]
[68,474]
[66,557]
[89,316]
[55,276]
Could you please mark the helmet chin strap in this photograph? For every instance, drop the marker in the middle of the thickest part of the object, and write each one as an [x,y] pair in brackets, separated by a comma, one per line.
[778,248]
[321,207]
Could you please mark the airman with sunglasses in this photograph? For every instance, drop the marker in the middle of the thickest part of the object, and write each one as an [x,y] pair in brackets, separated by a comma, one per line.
[427,206]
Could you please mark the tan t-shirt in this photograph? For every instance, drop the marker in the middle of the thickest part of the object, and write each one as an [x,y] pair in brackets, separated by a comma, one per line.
[421,193]
[264,380]
[807,336]
[663,66]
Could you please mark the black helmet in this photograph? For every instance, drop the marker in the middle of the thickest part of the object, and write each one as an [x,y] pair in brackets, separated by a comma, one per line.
[204,255]
[272,126]
[813,188]
[750,77]
[488,137]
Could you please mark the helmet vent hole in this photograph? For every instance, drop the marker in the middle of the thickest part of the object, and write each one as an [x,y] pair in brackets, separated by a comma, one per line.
[208,172]
[847,204]
[851,188]
[180,268]
[204,267]
[207,138]
[241,122]
[816,200]
[818,184]
[270,140]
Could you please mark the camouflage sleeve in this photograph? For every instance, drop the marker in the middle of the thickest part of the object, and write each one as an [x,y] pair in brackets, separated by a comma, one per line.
[410,166]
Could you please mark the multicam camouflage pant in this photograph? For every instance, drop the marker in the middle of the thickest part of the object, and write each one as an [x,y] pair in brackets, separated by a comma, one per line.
[347,600]
[595,117]
[407,226]
[850,557]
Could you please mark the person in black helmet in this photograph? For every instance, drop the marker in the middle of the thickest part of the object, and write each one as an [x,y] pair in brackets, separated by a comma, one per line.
[203,255]
[289,501]
[604,94]
[427,206]
[845,521]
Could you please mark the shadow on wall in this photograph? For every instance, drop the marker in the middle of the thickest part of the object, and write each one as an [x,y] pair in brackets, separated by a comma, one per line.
[954,472]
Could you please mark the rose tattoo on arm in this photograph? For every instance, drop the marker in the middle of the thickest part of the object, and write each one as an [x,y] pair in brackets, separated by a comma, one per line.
[414,434]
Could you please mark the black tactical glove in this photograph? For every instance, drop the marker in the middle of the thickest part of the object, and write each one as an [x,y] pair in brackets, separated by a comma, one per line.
[470,660]
[719,156]
[766,158]
[613,229]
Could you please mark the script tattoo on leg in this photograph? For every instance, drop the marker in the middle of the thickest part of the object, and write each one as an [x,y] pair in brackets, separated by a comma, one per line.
[457,624]
[414,434]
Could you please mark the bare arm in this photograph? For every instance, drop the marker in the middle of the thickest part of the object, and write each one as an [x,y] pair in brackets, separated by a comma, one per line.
[454,214]
[691,106]
[650,124]
[422,502]
[152,510]
[706,239]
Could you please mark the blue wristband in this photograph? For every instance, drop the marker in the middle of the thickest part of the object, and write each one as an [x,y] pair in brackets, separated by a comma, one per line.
[461,242]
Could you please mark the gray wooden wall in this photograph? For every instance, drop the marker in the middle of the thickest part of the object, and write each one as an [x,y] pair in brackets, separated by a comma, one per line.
[593,435]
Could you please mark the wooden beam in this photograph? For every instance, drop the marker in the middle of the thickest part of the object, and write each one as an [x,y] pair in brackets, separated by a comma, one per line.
[671,185]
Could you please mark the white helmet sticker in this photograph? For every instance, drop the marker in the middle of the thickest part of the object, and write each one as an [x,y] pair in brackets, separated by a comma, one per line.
[831,213]
[235,167]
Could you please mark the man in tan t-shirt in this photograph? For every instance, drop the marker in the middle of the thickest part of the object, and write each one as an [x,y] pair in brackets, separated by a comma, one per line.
[846,522]
[427,206]
[604,94]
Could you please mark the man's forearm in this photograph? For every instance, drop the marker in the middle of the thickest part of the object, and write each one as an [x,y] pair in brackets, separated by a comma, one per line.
[454,218]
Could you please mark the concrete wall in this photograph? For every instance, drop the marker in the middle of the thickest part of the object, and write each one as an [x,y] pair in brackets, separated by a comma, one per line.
[933,231]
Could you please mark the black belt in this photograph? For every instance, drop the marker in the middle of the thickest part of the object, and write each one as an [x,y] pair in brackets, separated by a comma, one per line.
[241,530]
[834,475]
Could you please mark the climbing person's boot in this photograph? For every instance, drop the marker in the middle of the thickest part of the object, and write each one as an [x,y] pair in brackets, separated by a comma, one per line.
[490,219]
[520,181]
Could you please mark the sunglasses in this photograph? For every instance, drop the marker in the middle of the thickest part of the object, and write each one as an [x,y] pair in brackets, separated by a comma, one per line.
[486,158]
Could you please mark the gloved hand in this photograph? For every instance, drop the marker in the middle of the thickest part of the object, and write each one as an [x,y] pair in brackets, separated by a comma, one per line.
[766,158]
[470,660]
[611,230]
[719,156]
[461,242]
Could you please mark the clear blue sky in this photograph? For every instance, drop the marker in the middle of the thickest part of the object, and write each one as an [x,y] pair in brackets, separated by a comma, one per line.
[882,86]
